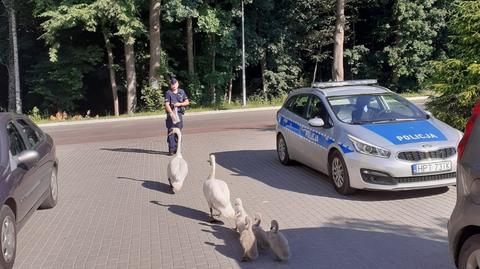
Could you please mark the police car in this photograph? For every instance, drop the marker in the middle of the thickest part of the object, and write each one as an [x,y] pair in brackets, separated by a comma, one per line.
[366,137]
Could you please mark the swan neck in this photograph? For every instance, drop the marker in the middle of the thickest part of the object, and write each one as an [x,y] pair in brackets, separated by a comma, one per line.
[179,144]
[212,175]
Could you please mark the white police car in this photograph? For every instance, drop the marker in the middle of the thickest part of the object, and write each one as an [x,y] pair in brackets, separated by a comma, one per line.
[366,137]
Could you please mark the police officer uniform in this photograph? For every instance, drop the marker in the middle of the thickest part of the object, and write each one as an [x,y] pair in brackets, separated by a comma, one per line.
[179,97]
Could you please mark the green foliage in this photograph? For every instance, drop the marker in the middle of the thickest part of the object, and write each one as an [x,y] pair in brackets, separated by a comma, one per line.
[457,79]
[179,10]
[34,114]
[91,16]
[194,90]
[415,25]
[284,78]
[354,58]
[208,21]
[60,84]
[392,40]
[153,99]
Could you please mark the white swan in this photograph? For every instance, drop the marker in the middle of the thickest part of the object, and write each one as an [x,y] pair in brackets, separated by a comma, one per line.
[177,168]
[240,215]
[217,194]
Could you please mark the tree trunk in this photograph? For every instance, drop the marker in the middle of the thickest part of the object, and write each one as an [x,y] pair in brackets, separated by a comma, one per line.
[315,72]
[111,70]
[14,94]
[131,76]
[263,65]
[11,79]
[213,92]
[337,69]
[191,68]
[155,42]
[230,86]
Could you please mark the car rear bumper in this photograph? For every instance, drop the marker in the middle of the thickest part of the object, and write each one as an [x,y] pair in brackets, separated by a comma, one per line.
[374,173]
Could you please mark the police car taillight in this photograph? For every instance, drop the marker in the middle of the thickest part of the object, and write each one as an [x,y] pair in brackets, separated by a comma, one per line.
[468,130]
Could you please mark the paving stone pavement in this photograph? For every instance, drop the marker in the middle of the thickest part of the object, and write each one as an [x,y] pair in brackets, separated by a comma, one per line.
[116,211]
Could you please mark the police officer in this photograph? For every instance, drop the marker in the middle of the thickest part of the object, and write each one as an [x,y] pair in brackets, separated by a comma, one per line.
[175,99]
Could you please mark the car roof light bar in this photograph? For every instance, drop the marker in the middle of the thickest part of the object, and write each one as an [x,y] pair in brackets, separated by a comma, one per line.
[344,83]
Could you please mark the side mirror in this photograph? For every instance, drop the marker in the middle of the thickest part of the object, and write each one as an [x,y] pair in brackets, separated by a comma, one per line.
[316,122]
[429,114]
[27,159]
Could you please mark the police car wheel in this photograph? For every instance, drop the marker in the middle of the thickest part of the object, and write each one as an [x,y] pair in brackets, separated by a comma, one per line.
[339,174]
[282,150]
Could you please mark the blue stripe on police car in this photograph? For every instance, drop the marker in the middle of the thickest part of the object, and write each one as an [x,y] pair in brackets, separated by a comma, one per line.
[407,132]
[306,133]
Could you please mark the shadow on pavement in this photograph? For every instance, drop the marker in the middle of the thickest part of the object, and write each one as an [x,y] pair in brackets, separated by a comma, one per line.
[230,246]
[353,244]
[263,165]
[259,128]
[185,212]
[152,185]
[135,150]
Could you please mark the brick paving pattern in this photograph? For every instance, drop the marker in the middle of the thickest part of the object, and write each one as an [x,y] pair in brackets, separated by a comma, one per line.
[116,211]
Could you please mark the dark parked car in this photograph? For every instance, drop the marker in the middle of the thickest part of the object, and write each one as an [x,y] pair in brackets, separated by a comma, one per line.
[28,178]
[464,224]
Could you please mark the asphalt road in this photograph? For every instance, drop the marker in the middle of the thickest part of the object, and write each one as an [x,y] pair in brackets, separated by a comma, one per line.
[143,128]
[117,211]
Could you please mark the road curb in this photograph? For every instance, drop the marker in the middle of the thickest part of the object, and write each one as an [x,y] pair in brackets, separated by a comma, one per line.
[95,121]
[187,115]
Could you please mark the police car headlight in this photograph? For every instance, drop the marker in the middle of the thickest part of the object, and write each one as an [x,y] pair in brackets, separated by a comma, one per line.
[369,149]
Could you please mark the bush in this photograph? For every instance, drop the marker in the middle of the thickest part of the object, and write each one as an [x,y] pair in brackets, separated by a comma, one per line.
[153,99]
[459,89]
[457,79]
[35,115]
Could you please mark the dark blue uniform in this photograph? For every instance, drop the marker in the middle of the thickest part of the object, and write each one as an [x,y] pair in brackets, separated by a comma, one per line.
[173,98]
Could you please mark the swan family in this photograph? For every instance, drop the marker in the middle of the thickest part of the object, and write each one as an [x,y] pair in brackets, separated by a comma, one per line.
[253,238]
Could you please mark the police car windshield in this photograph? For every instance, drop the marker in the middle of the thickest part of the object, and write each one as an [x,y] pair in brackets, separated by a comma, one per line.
[374,108]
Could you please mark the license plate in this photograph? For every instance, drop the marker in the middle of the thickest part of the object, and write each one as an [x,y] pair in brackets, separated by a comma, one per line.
[425,168]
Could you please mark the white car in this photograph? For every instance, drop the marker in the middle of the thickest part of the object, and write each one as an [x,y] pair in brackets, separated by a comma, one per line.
[366,137]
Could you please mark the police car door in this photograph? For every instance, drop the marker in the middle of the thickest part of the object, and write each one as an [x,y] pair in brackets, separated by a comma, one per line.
[318,138]
[295,122]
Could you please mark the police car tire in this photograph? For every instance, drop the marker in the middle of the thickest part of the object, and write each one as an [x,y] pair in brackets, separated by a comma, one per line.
[286,160]
[345,189]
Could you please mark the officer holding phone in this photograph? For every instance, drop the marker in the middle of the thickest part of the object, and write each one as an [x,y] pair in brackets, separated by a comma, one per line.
[175,102]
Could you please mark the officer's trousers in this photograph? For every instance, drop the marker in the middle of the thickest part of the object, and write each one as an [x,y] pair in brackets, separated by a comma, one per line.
[172,138]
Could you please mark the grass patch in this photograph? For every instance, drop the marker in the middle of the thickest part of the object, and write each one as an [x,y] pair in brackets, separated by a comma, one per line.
[226,106]
[418,94]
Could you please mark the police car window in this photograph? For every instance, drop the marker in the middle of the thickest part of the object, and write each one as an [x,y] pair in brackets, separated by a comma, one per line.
[371,108]
[401,108]
[32,136]
[15,140]
[374,103]
[299,104]
[289,102]
[317,109]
